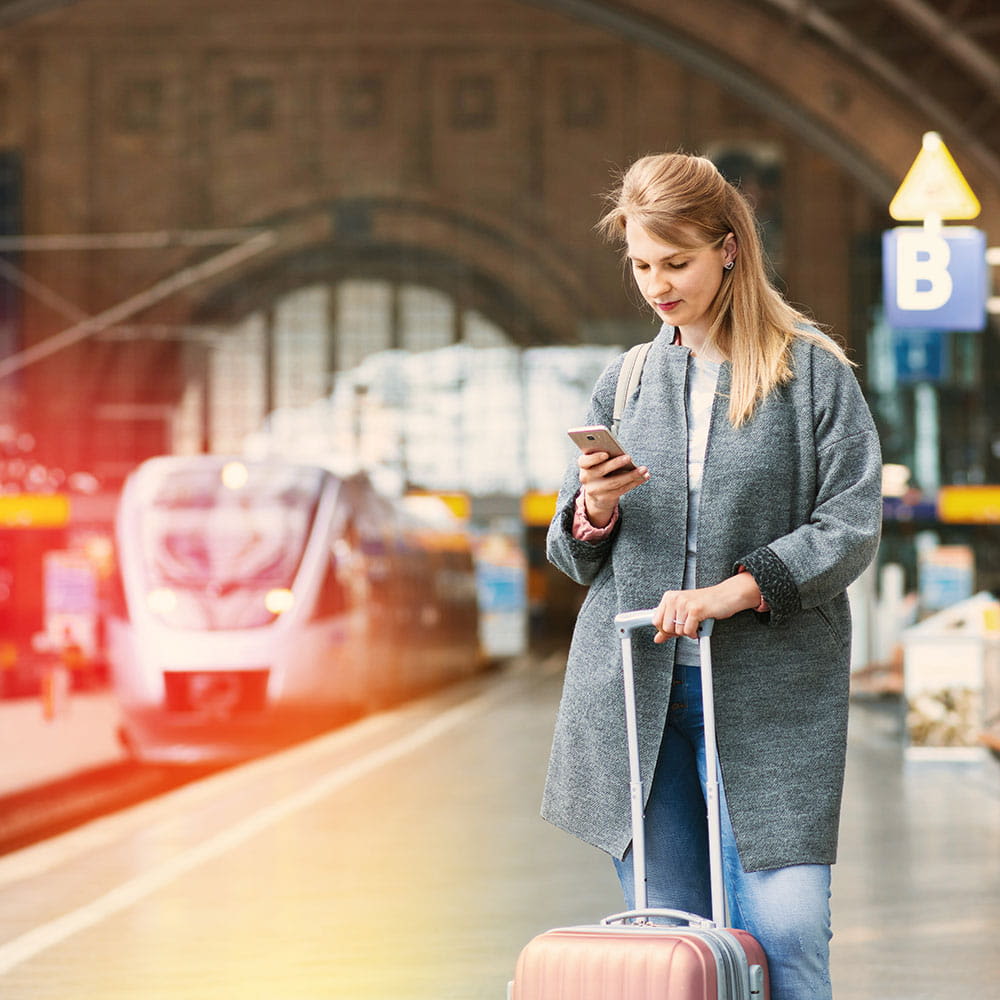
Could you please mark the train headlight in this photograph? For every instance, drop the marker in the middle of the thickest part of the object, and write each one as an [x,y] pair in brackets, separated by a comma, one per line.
[279,600]
[235,475]
[161,601]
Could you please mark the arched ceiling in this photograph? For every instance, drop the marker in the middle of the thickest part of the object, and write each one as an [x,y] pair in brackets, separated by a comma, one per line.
[938,58]
[832,70]
[942,55]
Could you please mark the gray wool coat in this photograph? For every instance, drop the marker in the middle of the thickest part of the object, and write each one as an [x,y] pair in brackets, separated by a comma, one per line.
[794,495]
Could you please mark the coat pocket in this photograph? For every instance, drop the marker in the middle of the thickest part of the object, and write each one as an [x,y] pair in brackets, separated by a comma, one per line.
[840,632]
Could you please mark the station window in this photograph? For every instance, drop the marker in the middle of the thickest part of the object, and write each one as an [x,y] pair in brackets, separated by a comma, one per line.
[363,318]
[287,357]
[427,318]
[377,315]
[236,398]
[301,347]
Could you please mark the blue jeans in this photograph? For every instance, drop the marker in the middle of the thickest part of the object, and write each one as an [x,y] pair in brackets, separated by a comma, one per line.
[786,909]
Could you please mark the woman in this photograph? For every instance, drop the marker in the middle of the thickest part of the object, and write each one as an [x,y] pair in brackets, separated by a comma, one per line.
[755,500]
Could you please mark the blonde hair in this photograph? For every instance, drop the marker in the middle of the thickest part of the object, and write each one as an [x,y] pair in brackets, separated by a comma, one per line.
[674,197]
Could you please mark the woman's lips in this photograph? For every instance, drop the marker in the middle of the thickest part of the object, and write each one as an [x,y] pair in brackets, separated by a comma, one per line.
[667,306]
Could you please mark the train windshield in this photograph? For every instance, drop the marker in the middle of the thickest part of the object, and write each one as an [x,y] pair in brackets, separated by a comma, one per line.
[222,544]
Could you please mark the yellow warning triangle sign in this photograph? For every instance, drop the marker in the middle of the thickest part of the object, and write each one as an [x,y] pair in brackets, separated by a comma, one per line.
[934,186]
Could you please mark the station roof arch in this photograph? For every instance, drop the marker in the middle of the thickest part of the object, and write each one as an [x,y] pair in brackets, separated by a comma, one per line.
[938,58]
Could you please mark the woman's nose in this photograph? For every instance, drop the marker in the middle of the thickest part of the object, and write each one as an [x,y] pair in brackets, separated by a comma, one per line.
[659,283]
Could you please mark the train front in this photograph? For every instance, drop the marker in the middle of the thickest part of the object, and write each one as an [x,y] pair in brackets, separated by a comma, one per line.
[217,560]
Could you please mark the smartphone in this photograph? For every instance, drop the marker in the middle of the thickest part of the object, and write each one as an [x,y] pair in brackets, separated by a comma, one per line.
[597,438]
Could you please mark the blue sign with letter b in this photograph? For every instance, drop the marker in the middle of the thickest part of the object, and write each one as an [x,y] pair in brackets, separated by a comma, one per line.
[935,278]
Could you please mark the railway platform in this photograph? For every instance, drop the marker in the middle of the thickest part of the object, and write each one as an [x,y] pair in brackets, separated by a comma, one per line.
[402,858]
[44,741]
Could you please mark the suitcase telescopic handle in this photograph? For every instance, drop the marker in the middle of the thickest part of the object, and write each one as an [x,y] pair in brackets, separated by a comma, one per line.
[627,622]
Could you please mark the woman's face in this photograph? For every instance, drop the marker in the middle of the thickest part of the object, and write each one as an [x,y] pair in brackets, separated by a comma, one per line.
[680,285]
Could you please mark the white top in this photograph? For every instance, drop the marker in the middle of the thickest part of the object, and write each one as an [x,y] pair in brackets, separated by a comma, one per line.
[703,376]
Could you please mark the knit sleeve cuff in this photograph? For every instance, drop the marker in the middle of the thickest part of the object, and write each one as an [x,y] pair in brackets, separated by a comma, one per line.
[777,587]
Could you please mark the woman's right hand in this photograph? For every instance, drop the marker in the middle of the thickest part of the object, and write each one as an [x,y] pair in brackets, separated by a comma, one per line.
[604,481]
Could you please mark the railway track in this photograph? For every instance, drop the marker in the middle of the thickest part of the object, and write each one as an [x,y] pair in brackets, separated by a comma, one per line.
[33,815]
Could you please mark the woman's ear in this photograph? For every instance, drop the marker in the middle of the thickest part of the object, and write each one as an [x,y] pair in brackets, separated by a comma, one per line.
[730,247]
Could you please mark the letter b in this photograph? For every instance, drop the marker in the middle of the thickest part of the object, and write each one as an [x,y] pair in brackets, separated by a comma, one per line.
[922,279]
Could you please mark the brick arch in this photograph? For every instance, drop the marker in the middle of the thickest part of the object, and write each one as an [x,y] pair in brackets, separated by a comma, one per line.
[524,284]
[836,103]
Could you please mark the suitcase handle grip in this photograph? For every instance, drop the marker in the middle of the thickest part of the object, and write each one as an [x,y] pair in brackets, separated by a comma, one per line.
[629,621]
[691,919]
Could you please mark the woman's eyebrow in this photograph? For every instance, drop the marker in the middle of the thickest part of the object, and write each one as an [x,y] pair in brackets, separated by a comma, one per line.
[669,256]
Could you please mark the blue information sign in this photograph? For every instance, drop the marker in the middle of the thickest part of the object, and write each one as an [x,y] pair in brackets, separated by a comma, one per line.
[935,278]
[921,355]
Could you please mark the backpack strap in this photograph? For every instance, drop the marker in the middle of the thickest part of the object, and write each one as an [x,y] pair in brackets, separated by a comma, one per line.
[628,380]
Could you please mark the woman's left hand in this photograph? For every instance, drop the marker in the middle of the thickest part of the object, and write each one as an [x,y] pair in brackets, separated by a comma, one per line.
[680,612]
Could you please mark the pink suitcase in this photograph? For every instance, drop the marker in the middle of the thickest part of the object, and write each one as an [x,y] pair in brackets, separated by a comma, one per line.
[627,956]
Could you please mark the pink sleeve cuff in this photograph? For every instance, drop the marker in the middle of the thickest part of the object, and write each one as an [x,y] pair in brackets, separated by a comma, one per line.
[583,530]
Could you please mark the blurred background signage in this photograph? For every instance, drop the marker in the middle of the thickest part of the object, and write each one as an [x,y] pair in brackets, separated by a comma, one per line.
[935,276]
[976,504]
[921,356]
[947,576]
[935,279]
[31,510]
